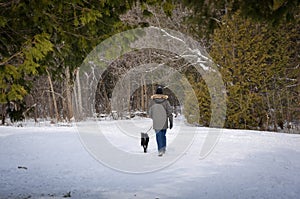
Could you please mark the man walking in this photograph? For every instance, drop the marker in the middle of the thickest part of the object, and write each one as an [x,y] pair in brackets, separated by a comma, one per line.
[161,112]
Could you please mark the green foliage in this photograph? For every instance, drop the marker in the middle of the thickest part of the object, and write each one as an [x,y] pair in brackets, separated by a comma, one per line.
[15,69]
[8,74]
[203,104]
[147,13]
[3,21]
[39,36]
[258,61]
[208,13]
[34,51]
[168,7]
[252,59]
[89,16]
[273,11]
[190,108]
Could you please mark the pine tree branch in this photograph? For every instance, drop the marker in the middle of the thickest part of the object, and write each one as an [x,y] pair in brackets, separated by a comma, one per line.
[7,4]
[10,58]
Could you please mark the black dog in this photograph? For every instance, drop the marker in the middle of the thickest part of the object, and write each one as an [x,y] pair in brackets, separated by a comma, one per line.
[144,141]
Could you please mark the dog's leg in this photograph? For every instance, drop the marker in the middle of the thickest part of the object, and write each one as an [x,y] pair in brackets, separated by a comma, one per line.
[144,141]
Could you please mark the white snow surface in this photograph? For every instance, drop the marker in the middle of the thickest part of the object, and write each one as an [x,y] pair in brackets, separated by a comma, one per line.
[51,162]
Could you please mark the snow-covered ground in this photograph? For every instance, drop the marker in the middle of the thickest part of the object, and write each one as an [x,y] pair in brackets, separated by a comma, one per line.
[53,162]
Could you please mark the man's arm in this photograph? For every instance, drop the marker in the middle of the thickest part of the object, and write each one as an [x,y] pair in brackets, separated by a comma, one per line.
[169,114]
[150,109]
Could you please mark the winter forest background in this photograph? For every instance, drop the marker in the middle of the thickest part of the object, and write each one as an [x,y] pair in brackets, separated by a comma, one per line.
[255,45]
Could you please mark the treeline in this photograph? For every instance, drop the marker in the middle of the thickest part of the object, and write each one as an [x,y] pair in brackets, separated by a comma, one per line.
[259,64]
[42,45]
[254,44]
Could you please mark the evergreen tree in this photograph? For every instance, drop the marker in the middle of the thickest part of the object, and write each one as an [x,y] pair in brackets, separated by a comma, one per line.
[53,38]
[252,59]
[204,102]
[208,13]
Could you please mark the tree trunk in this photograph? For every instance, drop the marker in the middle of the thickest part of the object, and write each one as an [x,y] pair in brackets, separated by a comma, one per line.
[3,113]
[142,94]
[145,96]
[79,101]
[51,112]
[53,96]
[129,97]
[68,88]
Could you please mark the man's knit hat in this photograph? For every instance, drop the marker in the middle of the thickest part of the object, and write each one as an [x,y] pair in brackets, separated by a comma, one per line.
[159,90]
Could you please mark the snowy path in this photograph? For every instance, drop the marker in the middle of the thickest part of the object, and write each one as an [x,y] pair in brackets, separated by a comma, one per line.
[244,164]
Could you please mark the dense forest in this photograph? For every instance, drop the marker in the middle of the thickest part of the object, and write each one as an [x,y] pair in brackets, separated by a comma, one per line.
[254,44]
